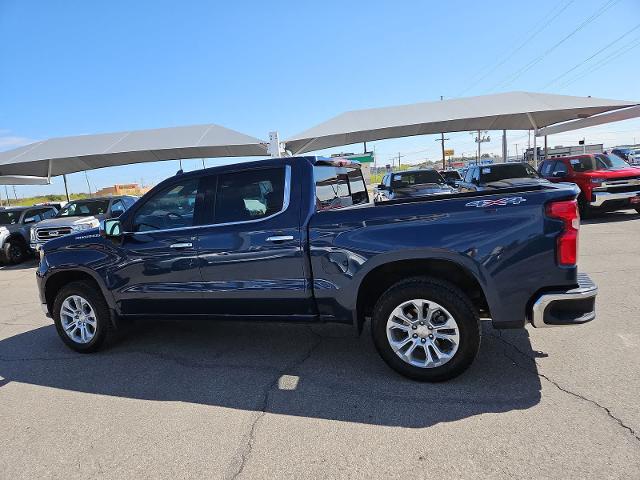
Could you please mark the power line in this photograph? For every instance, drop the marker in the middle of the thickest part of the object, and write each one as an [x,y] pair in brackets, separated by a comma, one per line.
[617,54]
[592,56]
[544,23]
[539,58]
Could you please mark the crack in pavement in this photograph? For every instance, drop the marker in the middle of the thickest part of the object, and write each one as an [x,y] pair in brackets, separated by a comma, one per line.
[537,372]
[251,437]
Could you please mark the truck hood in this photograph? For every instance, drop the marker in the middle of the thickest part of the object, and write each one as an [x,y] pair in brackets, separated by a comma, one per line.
[421,189]
[630,172]
[70,222]
[516,182]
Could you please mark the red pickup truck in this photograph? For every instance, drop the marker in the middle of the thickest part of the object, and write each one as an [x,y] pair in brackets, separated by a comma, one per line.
[606,182]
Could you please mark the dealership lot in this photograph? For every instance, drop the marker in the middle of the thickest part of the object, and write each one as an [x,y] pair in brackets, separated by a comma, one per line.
[225,400]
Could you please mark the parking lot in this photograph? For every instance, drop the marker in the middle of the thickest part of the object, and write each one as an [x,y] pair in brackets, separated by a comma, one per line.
[236,400]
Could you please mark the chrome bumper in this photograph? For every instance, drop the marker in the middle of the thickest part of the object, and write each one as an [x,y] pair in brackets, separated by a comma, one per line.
[601,197]
[571,307]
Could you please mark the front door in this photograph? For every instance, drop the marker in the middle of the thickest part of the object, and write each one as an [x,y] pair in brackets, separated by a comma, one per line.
[251,257]
[159,272]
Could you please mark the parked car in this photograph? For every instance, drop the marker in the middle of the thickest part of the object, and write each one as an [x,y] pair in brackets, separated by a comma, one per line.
[296,239]
[79,215]
[501,175]
[15,229]
[411,183]
[606,182]
[631,155]
[452,177]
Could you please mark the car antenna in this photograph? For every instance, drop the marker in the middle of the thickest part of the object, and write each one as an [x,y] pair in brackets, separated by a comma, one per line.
[179,172]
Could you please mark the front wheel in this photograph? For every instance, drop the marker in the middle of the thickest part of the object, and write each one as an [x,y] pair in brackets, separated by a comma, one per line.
[426,329]
[14,252]
[82,317]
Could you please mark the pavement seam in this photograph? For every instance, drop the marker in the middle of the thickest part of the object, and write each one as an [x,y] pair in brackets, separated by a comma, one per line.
[264,405]
[537,372]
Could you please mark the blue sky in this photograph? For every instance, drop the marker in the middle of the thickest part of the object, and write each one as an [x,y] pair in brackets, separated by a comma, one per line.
[77,67]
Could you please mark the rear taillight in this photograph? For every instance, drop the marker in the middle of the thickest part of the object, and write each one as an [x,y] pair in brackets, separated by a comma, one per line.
[567,246]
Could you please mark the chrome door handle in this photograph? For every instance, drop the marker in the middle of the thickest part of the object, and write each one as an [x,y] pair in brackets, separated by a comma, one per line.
[181,245]
[280,238]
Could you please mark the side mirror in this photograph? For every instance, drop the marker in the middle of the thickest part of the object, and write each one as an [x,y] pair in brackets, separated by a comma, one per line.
[111,228]
[116,213]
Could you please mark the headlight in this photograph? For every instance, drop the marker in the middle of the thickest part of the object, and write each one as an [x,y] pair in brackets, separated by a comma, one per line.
[33,235]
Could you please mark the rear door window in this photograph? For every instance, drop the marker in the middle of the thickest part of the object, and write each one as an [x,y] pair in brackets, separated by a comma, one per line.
[249,195]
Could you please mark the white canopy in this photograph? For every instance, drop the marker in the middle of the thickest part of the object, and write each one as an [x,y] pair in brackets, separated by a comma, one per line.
[58,156]
[504,111]
[23,180]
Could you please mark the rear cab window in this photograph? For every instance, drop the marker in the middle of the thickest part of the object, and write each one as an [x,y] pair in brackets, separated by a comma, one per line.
[339,187]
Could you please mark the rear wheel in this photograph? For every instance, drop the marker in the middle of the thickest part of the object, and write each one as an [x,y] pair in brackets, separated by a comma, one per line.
[585,210]
[426,329]
[82,317]
[14,252]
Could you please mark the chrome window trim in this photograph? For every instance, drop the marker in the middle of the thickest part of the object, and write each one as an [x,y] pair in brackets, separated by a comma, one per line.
[285,206]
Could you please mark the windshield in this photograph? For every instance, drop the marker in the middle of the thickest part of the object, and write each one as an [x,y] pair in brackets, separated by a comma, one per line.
[496,173]
[85,208]
[451,175]
[9,218]
[598,162]
[416,178]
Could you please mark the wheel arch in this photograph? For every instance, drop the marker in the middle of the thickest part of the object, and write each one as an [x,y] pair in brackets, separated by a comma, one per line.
[57,280]
[377,280]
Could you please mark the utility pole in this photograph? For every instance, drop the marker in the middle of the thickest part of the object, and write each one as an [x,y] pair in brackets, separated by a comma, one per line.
[14,193]
[481,139]
[66,189]
[517,151]
[441,140]
[6,192]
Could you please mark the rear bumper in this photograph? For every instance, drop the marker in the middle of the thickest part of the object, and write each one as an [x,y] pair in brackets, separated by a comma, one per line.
[569,307]
[599,198]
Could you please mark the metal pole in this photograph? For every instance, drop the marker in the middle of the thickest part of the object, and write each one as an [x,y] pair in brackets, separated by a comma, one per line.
[479,142]
[584,145]
[535,148]
[504,146]
[365,147]
[14,193]
[442,143]
[546,153]
[88,185]
[6,191]
[66,189]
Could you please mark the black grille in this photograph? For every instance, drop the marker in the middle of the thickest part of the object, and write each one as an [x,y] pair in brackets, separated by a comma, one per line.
[49,233]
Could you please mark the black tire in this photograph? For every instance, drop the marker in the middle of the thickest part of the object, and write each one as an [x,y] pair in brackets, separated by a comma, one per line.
[448,296]
[103,330]
[14,252]
[585,210]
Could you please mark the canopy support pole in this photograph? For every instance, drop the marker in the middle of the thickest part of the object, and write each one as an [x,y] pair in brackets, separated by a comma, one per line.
[66,190]
[275,147]
[49,171]
[504,146]
[535,136]
[545,148]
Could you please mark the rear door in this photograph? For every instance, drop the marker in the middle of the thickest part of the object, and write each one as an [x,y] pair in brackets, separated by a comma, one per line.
[251,254]
[158,273]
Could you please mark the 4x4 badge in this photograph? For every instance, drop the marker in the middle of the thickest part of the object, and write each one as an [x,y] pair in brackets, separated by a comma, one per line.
[497,203]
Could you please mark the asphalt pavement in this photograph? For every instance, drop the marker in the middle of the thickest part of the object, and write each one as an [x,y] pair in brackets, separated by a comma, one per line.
[245,400]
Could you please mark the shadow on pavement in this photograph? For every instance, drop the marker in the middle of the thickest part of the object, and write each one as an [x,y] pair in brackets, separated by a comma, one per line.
[27,264]
[323,371]
[611,217]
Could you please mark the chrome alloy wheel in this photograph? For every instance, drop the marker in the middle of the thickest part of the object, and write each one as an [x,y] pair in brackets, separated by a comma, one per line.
[423,333]
[78,319]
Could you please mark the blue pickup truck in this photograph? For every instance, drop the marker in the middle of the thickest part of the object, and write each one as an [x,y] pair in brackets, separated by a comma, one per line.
[298,239]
